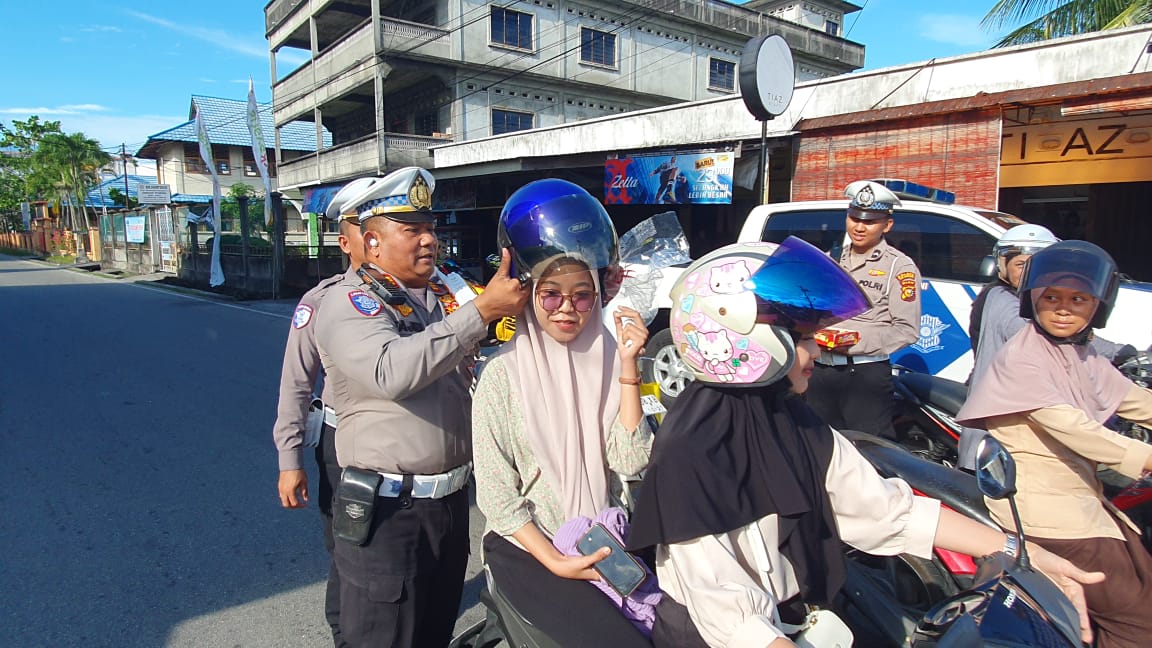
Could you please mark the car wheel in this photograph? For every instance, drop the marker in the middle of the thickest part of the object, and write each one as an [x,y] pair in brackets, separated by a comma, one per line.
[666,368]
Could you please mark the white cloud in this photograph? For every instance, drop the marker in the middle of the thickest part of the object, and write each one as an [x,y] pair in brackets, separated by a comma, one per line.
[111,130]
[100,28]
[68,109]
[67,39]
[218,37]
[954,29]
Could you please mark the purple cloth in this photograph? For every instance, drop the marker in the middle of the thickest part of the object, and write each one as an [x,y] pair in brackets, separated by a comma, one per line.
[640,606]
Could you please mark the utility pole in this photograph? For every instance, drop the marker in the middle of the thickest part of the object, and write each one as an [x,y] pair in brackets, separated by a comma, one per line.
[124,160]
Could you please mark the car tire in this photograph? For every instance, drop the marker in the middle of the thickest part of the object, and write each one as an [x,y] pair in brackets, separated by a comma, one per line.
[665,368]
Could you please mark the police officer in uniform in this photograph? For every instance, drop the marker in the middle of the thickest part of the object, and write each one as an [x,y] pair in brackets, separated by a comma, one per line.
[300,416]
[851,387]
[397,352]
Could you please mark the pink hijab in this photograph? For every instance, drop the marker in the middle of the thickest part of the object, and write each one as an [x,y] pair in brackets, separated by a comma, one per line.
[1031,373]
[570,399]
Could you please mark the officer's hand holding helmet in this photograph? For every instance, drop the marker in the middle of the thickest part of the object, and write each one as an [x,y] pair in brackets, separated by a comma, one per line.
[1077,265]
[1021,240]
[735,311]
[552,218]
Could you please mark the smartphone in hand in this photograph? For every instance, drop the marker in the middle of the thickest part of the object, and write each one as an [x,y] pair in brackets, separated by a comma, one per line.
[620,569]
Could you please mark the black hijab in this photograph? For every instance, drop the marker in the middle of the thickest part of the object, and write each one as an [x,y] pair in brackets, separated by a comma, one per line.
[725,457]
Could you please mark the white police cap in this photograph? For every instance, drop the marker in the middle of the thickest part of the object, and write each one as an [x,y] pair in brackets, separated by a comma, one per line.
[336,207]
[404,196]
[870,200]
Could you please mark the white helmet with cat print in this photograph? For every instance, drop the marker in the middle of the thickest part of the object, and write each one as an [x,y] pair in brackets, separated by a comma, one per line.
[734,311]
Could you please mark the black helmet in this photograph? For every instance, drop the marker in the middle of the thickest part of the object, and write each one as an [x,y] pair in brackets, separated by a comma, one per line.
[1079,265]
[551,217]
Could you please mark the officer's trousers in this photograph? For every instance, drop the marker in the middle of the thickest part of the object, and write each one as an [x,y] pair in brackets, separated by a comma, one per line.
[854,397]
[329,477]
[402,588]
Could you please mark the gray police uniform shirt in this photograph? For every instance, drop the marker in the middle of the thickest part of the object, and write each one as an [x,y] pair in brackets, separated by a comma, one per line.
[298,377]
[398,378]
[1000,321]
[892,282]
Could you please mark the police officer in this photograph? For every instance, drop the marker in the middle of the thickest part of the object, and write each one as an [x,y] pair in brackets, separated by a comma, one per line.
[851,387]
[397,352]
[299,416]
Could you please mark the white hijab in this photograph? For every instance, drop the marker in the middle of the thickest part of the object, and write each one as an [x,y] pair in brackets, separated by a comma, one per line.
[570,398]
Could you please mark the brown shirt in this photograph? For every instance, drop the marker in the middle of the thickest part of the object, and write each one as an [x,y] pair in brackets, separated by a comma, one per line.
[892,282]
[398,378]
[1057,450]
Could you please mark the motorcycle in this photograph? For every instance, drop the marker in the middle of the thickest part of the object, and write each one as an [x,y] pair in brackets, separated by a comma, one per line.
[1011,604]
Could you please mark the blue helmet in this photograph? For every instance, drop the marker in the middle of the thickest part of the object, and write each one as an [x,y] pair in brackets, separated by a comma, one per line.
[546,219]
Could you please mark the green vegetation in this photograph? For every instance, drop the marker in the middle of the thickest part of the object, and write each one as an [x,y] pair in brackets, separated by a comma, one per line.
[1046,19]
[16,251]
[61,259]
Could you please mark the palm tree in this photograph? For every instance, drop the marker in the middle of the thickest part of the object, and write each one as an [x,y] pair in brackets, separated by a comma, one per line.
[74,159]
[1056,18]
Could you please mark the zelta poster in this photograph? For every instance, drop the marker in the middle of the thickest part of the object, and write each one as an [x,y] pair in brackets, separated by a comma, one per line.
[680,179]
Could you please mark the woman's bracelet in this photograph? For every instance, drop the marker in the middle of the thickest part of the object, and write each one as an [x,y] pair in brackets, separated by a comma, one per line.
[629,381]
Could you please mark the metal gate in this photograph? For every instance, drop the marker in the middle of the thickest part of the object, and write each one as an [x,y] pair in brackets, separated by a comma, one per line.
[165,240]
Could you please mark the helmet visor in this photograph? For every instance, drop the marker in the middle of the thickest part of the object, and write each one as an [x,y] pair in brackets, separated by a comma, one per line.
[802,289]
[548,226]
[1077,268]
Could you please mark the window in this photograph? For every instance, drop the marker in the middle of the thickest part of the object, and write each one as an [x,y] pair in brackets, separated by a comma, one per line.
[223,161]
[511,28]
[721,75]
[426,123]
[832,27]
[507,121]
[597,47]
[250,168]
[193,163]
[942,247]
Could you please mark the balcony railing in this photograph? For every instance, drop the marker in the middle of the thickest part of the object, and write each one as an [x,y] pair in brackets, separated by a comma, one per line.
[417,38]
[364,156]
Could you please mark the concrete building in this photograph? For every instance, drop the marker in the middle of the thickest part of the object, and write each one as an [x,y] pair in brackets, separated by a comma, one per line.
[1058,132]
[392,78]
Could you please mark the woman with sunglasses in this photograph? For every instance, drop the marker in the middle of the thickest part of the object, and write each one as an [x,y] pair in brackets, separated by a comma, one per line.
[556,412]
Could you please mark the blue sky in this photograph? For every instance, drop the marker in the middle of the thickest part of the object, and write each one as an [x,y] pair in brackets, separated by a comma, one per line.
[120,71]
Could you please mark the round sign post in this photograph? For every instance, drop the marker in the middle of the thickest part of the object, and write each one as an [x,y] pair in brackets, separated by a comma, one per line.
[767,79]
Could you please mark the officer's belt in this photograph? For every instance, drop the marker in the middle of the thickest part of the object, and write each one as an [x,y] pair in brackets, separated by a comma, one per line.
[838,360]
[427,486]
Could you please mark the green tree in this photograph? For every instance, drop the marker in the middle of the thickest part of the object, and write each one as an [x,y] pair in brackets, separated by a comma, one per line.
[20,179]
[117,198]
[1045,19]
[75,159]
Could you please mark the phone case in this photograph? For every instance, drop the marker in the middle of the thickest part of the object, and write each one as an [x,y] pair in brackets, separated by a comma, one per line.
[620,570]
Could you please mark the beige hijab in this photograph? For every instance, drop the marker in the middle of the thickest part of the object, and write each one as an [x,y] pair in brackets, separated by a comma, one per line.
[1031,373]
[570,398]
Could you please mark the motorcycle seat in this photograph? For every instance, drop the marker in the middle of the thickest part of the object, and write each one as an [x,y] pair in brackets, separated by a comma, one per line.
[944,394]
[956,489]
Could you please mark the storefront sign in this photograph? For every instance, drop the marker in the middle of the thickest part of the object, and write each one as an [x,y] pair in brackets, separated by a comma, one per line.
[134,226]
[154,194]
[691,178]
[1080,151]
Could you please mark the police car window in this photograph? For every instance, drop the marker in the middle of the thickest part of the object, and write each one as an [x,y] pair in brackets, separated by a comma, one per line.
[823,228]
[942,247]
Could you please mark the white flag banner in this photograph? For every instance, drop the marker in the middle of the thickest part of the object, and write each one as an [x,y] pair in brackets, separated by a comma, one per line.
[259,149]
[216,276]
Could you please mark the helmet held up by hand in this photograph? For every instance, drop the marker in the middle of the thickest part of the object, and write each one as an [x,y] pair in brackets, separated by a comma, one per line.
[549,219]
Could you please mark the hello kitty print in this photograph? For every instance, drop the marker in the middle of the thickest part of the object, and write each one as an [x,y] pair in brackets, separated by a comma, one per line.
[710,345]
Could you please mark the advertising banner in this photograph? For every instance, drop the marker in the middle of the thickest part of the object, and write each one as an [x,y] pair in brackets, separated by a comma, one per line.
[669,179]
[134,225]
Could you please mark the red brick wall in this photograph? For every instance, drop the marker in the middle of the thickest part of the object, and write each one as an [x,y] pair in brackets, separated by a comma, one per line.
[958,152]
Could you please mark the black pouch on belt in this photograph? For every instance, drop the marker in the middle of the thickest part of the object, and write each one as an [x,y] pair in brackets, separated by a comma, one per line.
[355,499]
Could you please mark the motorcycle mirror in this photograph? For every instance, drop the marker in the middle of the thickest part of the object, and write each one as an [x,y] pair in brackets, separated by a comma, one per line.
[995,469]
[988,267]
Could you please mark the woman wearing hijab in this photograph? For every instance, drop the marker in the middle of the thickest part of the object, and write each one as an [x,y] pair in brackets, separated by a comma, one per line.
[1054,430]
[555,411]
[749,495]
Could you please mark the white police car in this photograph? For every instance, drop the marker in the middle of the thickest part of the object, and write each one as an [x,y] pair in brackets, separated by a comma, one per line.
[951,244]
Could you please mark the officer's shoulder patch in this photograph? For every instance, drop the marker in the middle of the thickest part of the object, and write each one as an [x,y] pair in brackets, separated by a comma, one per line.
[907,286]
[302,316]
[364,303]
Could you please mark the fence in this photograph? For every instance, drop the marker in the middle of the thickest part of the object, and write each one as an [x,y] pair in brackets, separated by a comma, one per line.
[44,239]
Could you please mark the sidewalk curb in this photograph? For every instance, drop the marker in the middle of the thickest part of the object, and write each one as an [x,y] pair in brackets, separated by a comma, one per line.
[206,294]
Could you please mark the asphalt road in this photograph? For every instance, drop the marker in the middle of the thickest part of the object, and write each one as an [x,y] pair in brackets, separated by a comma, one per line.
[138,500]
